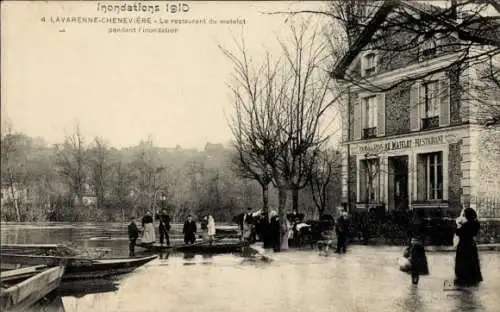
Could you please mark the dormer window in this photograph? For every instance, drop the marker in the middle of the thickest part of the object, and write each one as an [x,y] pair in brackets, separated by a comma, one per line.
[428,49]
[369,64]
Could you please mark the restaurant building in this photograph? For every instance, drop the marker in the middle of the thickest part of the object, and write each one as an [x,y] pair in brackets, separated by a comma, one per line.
[415,138]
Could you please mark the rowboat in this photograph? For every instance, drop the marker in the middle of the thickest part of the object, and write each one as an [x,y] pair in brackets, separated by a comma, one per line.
[79,268]
[22,288]
[204,247]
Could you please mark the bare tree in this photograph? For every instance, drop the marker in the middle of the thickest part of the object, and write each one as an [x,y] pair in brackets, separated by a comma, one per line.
[258,105]
[12,165]
[309,99]
[98,160]
[148,170]
[122,185]
[278,113]
[71,163]
[324,176]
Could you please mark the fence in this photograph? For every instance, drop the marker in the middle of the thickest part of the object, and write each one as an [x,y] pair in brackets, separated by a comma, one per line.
[487,207]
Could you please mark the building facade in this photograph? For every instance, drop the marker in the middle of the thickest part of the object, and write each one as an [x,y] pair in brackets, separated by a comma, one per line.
[416,138]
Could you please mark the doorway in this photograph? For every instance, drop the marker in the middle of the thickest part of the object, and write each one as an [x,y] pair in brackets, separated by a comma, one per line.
[398,183]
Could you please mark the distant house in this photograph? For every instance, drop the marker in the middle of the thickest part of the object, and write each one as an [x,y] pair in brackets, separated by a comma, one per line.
[88,198]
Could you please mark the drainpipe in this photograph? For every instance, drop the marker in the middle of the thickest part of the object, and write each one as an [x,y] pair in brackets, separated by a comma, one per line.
[348,149]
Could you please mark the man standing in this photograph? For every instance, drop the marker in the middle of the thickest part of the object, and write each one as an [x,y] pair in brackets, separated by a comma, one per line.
[189,231]
[133,234]
[164,227]
[342,228]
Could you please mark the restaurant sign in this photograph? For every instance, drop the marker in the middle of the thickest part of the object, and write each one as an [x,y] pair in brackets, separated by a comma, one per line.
[393,145]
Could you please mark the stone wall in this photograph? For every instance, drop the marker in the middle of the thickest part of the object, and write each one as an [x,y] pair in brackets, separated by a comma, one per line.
[397,110]
[488,162]
[455,176]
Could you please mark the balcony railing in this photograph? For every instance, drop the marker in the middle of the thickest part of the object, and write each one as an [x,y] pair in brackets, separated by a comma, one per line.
[369,132]
[430,123]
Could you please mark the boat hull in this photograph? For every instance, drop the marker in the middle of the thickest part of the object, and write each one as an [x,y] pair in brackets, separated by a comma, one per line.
[205,248]
[77,269]
[26,293]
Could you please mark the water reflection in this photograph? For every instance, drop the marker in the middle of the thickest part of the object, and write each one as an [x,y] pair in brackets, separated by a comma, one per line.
[465,299]
[413,300]
[51,303]
[86,287]
[163,255]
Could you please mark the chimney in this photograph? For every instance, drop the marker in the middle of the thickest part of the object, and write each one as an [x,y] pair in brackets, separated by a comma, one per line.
[453,10]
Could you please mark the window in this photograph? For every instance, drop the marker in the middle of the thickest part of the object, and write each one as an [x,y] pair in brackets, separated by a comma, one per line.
[369,64]
[369,116]
[370,180]
[430,104]
[431,99]
[432,165]
[428,49]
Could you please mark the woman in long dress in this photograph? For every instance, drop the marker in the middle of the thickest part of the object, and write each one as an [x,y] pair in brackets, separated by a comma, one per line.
[211,228]
[148,236]
[467,266]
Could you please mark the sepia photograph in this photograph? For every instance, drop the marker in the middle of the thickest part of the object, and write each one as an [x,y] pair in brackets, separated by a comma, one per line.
[242,156]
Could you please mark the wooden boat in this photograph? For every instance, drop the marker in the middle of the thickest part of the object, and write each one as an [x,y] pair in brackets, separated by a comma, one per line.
[24,287]
[51,250]
[79,268]
[217,247]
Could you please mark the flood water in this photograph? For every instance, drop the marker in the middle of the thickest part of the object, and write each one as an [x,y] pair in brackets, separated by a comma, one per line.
[365,279]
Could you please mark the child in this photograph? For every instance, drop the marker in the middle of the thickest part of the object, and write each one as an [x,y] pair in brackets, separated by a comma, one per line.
[415,253]
[133,234]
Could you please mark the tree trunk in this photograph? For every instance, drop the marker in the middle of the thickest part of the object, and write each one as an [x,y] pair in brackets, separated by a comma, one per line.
[295,198]
[14,200]
[282,217]
[321,211]
[265,199]
[122,211]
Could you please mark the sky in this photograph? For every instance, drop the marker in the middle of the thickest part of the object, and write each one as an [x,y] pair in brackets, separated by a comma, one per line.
[126,87]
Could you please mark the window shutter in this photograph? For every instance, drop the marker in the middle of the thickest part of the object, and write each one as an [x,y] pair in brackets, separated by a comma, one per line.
[381,114]
[414,105]
[357,119]
[421,183]
[444,102]
[362,181]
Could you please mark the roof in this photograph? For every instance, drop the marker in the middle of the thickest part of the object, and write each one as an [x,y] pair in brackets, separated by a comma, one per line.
[481,30]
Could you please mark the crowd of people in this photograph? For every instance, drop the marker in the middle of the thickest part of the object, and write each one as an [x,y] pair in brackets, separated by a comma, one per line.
[256,226]
[189,230]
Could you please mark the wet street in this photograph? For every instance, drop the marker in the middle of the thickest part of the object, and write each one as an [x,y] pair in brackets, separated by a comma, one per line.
[365,279]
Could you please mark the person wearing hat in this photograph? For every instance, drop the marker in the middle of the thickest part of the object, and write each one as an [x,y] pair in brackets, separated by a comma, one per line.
[133,234]
[189,231]
[164,227]
[341,229]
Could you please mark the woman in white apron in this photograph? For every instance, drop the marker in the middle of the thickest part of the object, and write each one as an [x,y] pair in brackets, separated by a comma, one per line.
[211,228]
[148,235]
